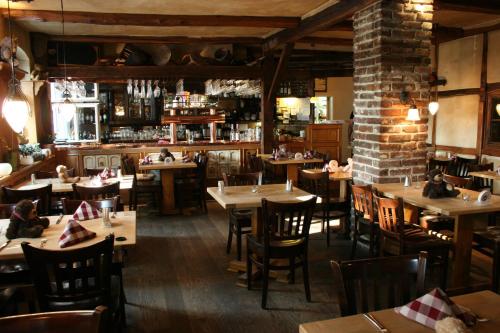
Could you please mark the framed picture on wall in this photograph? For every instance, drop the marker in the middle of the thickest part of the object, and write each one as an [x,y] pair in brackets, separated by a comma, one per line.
[320,84]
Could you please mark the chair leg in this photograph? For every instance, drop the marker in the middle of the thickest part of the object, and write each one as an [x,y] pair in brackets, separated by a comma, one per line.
[238,241]
[327,232]
[305,273]
[496,268]
[249,269]
[229,239]
[292,270]
[354,239]
[265,282]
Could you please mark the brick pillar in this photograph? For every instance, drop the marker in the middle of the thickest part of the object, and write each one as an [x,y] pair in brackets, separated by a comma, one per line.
[392,40]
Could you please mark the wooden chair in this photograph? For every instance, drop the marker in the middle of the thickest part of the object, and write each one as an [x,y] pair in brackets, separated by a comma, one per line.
[318,183]
[240,220]
[488,242]
[460,166]
[90,321]
[71,205]
[6,210]
[78,279]
[52,174]
[285,236]
[92,172]
[366,229]
[254,163]
[192,188]
[460,182]
[147,185]
[96,193]
[399,238]
[42,194]
[479,183]
[378,283]
[442,165]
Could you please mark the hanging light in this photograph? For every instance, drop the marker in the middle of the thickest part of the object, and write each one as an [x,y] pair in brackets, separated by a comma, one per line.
[413,113]
[16,107]
[67,108]
[433,107]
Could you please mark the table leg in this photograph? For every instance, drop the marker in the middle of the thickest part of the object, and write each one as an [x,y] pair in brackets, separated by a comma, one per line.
[462,238]
[168,196]
[292,172]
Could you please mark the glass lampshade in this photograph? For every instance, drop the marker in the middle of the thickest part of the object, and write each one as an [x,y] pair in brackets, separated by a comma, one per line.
[16,108]
[433,107]
[413,113]
[67,108]
[498,108]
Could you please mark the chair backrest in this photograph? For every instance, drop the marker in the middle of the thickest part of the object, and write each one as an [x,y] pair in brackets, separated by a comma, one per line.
[458,181]
[251,178]
[201,166]
[53,174]
[92,172]
[254,163]
[479,183]
[390,215]
[317,183]
[363,201]
[96,193]
[42,194]
[71,279]
[6,210]
[378,283]
[460,167]
[442,165]
[84,321]
[70,205]
[128,165]
[287,221]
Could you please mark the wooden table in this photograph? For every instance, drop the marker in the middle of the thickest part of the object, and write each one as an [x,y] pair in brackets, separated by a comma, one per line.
[292,166]
[123,225]
[485,304]
[242,197]
[167,181]
[58,187]
[485,174]
[465,213]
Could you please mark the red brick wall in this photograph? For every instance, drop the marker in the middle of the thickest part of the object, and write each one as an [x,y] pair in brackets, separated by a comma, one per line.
[391,53]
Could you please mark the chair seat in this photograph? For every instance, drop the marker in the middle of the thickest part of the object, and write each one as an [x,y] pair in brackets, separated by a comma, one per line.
[277,249]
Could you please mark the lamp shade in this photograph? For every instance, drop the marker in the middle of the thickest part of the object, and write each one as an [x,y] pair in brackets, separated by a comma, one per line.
[433,107]
[16,108]
[5,169]
[67,110]
[413,114]
[498,108]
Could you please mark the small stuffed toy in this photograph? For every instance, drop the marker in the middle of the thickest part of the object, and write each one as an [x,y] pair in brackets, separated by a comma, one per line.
[436,187]
[333,166]
[349,166]
[62,174]
[24,221]
[166,155]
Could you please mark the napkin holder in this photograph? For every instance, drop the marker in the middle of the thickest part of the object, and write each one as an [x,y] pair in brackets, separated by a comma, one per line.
[484,196]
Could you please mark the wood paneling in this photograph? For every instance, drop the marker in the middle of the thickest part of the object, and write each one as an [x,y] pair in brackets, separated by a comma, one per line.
[326,139]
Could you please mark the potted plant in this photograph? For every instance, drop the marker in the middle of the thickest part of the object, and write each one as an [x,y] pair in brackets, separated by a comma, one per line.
[29,153]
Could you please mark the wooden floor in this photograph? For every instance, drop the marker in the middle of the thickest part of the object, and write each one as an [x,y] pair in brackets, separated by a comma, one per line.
[176,280]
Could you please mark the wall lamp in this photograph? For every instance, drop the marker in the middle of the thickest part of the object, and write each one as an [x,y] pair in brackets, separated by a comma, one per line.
[413,112]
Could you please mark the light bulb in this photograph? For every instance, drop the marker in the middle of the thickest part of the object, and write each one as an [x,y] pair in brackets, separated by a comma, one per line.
[433,107]
[16,108]
[413,113]
[498,108]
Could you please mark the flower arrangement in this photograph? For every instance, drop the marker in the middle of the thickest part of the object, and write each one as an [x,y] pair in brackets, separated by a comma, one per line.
[29,149]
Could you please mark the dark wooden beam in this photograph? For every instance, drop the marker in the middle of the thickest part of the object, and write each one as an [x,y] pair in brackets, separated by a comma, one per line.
[443,34]
[157,40]
[471,6]
[155,20]
[278,73]
[152,72]
[459,92]
[267,106]
[341,26]
[326,41]
[334,14]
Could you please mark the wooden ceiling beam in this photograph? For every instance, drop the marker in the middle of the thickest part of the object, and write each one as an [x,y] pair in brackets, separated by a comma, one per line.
[334,14]
[156,40]
[152,72]
[155,20]
[471,6]
[326,41]
[280,69]
[341,26]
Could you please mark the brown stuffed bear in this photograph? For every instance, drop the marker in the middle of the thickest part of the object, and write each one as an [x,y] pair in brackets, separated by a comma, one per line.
[62,174]
[436,187]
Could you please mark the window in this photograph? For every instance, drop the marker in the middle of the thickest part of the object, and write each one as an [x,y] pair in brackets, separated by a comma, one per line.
[491,142]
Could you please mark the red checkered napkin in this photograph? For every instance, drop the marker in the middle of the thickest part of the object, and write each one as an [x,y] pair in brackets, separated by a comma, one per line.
[74,233]
[86,212]
[434,306]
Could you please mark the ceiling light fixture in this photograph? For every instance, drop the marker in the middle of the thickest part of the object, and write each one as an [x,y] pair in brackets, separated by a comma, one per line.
[67,108]
[16,107]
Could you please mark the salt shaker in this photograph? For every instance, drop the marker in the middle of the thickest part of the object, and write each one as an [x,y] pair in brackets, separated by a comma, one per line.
[220,184]
[33,178]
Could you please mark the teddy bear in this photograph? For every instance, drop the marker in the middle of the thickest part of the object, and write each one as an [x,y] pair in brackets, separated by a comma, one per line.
[62,174]
[436,187]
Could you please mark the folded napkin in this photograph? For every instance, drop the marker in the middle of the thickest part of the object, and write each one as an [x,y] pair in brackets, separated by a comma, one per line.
[86,212]
[434,306]
[74,233]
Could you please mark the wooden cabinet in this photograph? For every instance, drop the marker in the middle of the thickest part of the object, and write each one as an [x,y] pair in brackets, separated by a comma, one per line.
[326,139]
[101,161]
[89,162]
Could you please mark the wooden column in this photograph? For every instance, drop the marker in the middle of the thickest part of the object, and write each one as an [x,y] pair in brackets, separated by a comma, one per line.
[266,107]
